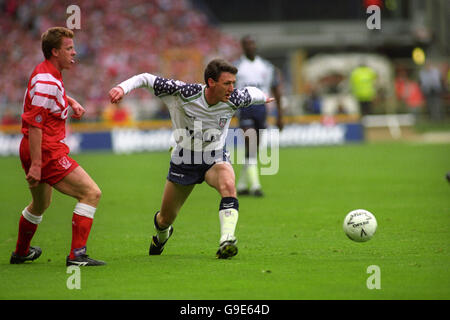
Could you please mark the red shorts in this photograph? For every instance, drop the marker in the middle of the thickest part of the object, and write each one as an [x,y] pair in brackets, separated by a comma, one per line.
[55,165]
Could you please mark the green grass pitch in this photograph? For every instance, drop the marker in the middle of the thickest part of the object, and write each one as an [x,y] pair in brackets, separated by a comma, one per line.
[291,243]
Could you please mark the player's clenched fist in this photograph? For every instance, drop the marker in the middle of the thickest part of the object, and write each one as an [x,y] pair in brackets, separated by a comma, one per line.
[78,110]
[34,176]
[116,94]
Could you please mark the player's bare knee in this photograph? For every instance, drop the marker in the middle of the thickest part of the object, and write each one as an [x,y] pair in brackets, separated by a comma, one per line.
[95,193]
[91,195]
[98,193]
[227,188]
[47,204]
[39,208]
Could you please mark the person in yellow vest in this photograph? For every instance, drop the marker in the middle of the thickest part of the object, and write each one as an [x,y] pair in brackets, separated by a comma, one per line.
[363,85]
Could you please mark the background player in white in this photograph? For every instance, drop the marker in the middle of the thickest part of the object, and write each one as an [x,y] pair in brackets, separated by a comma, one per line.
[198,112]
[258,72]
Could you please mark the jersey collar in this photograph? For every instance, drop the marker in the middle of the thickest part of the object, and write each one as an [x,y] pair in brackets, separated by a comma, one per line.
[53,71]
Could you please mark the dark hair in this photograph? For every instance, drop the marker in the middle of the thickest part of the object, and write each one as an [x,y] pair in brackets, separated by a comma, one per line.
[246,38]
[52,38]
[216,67]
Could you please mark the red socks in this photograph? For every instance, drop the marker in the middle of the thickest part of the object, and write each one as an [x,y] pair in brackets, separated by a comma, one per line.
[81,226]
[82,219]
[26,233]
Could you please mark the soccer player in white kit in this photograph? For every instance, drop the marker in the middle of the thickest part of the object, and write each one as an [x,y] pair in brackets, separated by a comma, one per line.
[257,72]
[201,115]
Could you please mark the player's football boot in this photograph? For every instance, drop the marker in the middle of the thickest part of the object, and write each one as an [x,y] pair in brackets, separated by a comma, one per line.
[33,254]
[257,193]
[227,249]
[243,192]
[84,261]
[156,248]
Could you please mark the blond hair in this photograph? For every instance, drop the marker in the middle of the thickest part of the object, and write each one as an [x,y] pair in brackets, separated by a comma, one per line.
[52,38]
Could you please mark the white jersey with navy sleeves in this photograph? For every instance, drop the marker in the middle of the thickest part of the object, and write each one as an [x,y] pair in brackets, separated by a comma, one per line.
[193,119]
[258,73]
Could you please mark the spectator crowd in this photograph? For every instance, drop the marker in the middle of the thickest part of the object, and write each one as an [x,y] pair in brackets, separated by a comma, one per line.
[116,39]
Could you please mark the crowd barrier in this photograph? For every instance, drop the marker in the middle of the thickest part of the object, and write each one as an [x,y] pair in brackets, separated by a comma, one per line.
[157,135]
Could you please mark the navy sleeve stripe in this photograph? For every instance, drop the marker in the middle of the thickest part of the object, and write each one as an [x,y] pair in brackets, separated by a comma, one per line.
[164,86]
[240,98]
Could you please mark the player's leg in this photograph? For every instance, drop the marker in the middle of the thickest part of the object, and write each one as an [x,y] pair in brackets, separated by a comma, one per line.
[79,185]
[221,177]
[28,223]
[246,122]
[260,119]
[242,185]
[250,169]
[253,170]
[174,196]
[251,121]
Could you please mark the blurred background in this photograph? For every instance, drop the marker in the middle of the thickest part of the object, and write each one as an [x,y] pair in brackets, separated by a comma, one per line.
[317,46]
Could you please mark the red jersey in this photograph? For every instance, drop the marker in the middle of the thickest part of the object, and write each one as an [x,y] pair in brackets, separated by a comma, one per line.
[45,106]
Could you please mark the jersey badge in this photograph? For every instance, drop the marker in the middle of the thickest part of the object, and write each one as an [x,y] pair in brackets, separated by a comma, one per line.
[222,122]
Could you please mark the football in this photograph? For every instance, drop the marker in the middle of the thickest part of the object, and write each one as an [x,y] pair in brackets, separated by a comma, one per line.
[360,225]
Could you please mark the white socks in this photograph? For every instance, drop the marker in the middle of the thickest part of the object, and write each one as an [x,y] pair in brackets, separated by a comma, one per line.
[243,179]
[31,217]
[161,234]
[228,221]
[253,177]
[249,176]
[84,210]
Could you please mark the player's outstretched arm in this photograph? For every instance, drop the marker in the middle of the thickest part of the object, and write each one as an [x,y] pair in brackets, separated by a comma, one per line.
[253,95]
[143,80]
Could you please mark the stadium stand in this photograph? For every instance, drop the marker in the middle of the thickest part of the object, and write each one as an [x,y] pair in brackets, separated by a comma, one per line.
[117,39]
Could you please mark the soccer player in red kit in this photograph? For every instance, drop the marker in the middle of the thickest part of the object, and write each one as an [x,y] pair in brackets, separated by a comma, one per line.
[44,155]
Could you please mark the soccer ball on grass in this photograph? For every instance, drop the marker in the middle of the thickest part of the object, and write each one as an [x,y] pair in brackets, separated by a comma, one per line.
[360,225]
